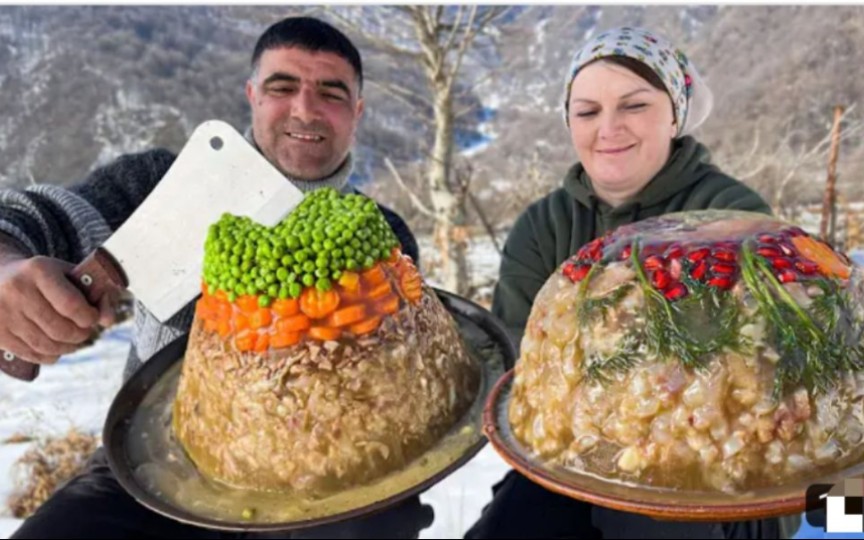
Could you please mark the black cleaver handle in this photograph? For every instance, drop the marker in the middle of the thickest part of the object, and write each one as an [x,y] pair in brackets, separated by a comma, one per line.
[95,276]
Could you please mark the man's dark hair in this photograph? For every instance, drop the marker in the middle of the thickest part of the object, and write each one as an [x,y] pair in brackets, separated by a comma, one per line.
[311,35]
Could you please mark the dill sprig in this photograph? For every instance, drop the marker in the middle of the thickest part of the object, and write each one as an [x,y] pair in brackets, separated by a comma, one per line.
[666,331]
[592,308]
[815,346]
[626,356]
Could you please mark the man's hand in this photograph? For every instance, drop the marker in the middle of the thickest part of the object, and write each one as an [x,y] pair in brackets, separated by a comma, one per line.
[42,314]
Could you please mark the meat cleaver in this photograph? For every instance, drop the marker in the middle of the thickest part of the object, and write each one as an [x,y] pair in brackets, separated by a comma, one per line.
[158,253]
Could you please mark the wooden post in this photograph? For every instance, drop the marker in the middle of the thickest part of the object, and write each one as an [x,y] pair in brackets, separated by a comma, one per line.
[826,230]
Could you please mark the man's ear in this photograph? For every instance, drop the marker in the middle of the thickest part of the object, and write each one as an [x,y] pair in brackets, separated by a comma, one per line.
[250,93]
[361,106]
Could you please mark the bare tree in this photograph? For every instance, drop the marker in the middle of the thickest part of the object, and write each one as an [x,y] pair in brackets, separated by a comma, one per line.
[442,38]
[782,171]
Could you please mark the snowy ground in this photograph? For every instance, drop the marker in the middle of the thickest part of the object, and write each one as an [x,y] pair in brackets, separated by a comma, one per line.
[78,391]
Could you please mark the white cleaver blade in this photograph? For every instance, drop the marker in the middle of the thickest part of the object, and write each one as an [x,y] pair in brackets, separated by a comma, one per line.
[161,246]
[159,251]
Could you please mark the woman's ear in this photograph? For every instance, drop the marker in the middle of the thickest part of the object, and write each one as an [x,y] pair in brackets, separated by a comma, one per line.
[674,131]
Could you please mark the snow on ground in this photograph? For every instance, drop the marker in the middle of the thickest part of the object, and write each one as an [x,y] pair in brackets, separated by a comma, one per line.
[79,389]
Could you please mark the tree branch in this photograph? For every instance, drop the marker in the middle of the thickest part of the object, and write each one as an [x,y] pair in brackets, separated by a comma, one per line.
[376,41]
[401,93]
[415,200]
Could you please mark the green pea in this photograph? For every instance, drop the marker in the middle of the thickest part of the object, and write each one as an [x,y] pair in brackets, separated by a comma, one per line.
[323,284]
[273,290]
[351,264]
[232,297]
[308,280]
[283,292]
[295,289]
[282,274]
[264,301]
[322,272]
[288,260]
[309,266]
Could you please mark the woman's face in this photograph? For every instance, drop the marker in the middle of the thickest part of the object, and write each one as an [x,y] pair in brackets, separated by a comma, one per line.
[622,129]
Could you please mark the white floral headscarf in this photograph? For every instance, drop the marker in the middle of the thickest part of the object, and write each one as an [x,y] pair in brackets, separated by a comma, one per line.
[691,98]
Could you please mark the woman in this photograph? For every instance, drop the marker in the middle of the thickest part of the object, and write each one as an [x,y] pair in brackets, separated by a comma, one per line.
[631,101]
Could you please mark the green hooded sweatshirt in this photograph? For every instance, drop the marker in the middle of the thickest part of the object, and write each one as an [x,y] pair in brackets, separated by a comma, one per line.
[555,227]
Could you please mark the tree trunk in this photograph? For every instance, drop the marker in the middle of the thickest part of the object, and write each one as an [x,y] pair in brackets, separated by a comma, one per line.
[447,203]
[829,201]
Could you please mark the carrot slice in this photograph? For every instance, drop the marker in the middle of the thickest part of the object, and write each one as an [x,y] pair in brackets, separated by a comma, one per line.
[818,252]
[260,318]
[324,333]
[351,296]
[223,326]
[262,343]
[245,340]
[224,310]
[287,307]
[364,327]
[280,340]
[211,325]
[297,323]
[388,305]
[374,276]
[247,303]
[318,304]
[241,322]
[346,316]
[394,255]
[380,291]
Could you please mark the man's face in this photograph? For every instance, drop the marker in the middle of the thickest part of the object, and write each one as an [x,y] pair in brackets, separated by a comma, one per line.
[305,109]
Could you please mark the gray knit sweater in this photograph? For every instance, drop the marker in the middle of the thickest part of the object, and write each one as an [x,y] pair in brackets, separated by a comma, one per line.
[68,224]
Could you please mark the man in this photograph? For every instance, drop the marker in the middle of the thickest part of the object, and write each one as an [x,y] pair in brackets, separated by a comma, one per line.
[305,98]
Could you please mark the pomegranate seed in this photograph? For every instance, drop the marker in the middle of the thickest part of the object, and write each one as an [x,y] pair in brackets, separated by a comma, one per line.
[723,268]
[676,292]
[781,263]
[725,255]
[661,279]
[675,269]
[654,262]
[626,252]
[699,270]
[698,255]
[675,252]
[579,272]
[795,231]
[787,249]
[723,282]
[787,276]
[807,267]
[769,252]
[767,239]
